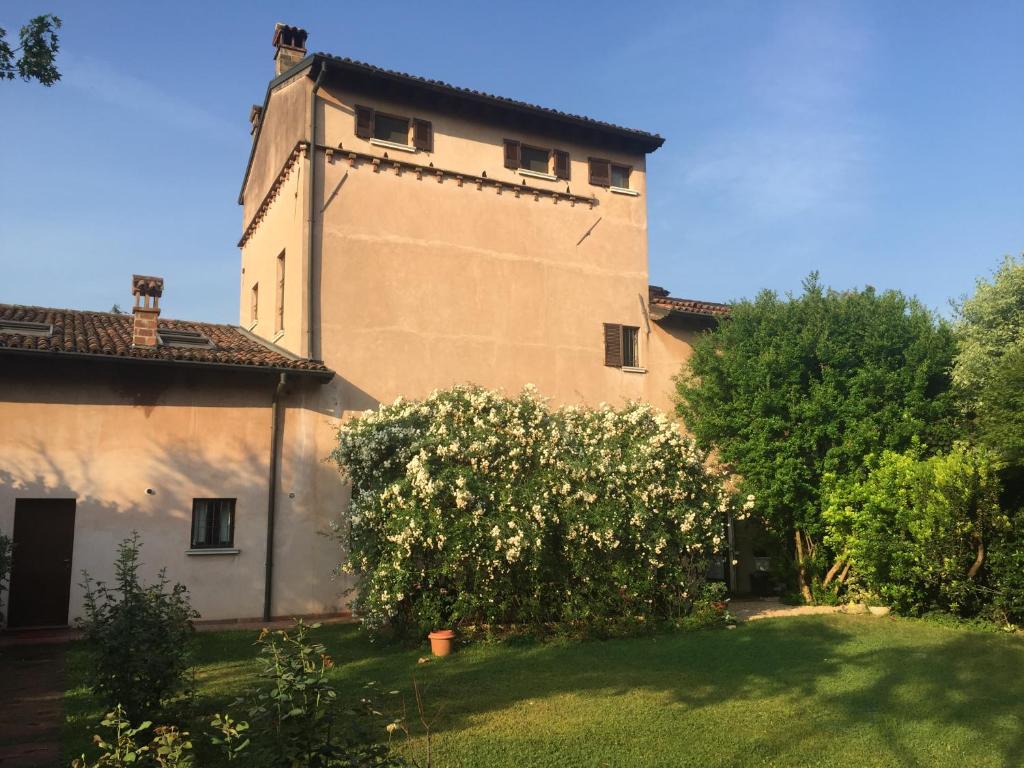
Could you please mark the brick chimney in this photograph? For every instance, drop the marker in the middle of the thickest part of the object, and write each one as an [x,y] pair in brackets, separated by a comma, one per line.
[289,47]
[147,292]
[255,115]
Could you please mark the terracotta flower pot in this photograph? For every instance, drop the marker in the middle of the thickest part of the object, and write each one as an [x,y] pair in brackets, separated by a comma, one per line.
[442,642]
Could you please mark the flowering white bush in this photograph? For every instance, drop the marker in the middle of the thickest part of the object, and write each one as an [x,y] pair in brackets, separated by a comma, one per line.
[470,506]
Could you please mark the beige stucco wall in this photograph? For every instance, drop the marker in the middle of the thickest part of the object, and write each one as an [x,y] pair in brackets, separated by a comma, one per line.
[103,433]
[285,122]
[420,285]
[282,231]
[426,284]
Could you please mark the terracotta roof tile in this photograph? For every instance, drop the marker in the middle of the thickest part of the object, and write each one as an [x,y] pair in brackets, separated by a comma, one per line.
[654,140]
[660,298]
[109,335]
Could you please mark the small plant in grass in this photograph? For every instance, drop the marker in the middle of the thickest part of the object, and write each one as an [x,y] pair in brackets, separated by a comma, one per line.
[710,609]
[169,747]
[229,736]
[295,708]
[139,636]
[121,748]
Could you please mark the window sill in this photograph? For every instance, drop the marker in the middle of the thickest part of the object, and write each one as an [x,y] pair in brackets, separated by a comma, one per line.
[394,145]
[633,369]
[537,175]
[213,551]
[624,191]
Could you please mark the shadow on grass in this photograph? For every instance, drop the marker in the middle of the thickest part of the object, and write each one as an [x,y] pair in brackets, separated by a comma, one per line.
[786,689]
[917,692]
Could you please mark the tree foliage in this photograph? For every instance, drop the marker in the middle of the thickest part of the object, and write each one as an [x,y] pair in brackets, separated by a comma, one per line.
[917,531]
[990,327]
[36,55]
[989,368]
[789,389]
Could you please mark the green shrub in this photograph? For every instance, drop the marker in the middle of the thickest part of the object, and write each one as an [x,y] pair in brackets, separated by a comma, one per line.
[1006,573]
[294,712]
[471,507]
[710,609]
[915,530]
[791,388]
[139,636]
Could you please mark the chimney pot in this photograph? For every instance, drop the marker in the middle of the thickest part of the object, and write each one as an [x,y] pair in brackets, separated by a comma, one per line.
[289,47]
[147,292]
[255,115]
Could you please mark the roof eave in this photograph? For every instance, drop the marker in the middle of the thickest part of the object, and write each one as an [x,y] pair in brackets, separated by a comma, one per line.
[648,141]
[322,375]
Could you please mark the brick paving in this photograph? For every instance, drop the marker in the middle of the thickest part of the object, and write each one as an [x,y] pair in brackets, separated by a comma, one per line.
[32,704]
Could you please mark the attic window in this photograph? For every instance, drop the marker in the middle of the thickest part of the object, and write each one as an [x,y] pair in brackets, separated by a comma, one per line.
[24,328]
[549,163]
[394,130]
[175,338]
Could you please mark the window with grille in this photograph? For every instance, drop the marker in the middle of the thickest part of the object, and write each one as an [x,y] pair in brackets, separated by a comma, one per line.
[213,523]
[621,346]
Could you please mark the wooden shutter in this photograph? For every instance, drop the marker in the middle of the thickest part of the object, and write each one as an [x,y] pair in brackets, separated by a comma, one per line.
[600,172]
[511,154]
[613,345]
[561,164]
[423,135]
[364,122]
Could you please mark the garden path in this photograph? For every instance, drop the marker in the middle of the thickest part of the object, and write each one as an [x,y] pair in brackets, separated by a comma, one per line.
[752,609]
[32,704]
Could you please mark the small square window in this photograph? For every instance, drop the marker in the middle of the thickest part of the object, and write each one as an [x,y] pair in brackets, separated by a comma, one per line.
[534,159]
[393,129]
[213,523]
[620,176]
[621,346]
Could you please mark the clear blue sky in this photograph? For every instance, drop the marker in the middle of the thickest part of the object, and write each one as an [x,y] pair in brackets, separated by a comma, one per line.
[879,142]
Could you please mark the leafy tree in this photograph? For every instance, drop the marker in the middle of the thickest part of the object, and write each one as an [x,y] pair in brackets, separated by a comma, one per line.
[990,325]
[999,407]
[989,367]
[789,389]
[35,57]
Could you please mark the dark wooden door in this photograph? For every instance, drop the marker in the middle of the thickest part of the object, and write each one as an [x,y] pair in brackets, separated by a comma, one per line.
[44,538]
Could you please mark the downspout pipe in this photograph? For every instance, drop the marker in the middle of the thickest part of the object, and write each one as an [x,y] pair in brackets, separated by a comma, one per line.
[275,451]
[310,216]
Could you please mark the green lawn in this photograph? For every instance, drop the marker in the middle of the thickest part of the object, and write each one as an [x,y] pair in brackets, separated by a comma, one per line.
[842,691]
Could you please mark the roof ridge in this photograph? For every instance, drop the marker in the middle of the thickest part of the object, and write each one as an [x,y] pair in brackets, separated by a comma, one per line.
[485,94]
[126,314]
